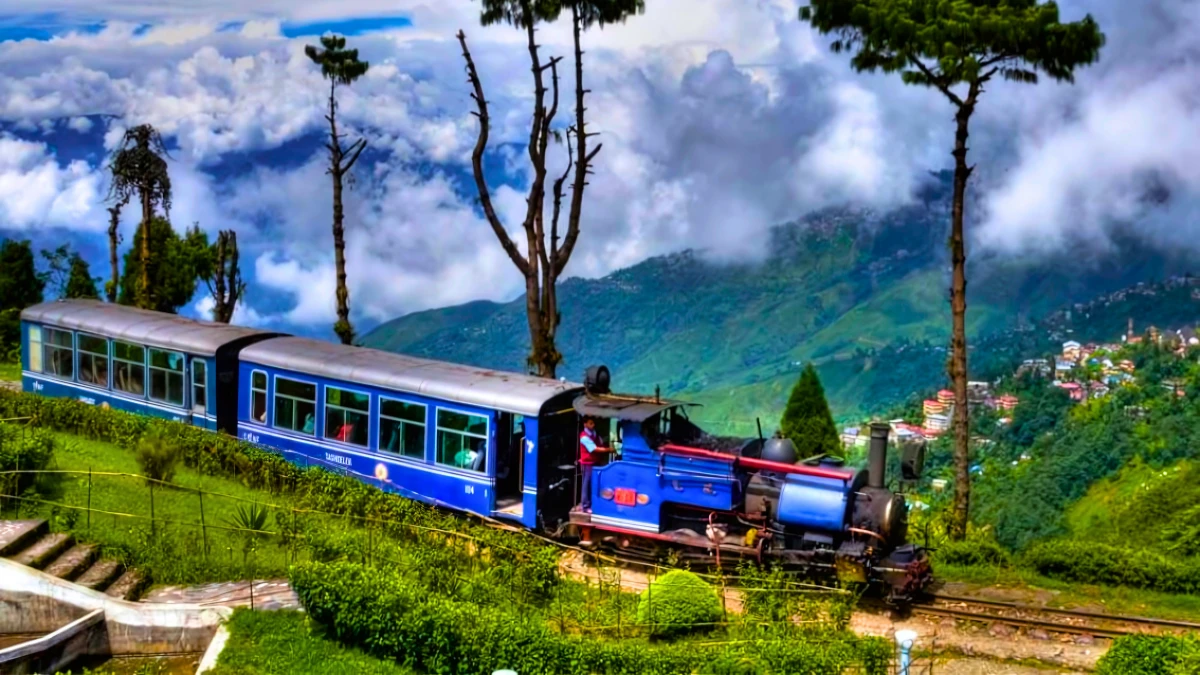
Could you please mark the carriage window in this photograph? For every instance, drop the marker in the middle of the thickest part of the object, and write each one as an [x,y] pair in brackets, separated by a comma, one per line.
[57,354]
[129,368]
[199,387]
[295,406]
[258,396]
[402,428]
[93,360]
[166,377]
[35,348]
[346,414]
[462,440]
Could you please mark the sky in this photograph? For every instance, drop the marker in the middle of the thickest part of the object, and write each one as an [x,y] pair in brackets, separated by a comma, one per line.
[718,118]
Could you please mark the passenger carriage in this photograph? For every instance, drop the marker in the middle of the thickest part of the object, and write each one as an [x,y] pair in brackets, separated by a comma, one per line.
[472,439]
[134,360]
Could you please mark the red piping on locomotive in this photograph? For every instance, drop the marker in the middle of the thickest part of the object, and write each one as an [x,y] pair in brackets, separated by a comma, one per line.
[759,464]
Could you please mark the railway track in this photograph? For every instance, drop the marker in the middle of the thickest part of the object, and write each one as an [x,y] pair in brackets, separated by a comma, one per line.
[1076,622]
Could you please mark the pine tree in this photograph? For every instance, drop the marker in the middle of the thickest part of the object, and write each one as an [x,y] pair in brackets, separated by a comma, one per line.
[807,420]
[20,287]
[959,48]
[174,266]
[80,283]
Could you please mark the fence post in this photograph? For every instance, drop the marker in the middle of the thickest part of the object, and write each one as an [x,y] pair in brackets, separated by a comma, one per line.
[203,525]
[89,503]
[620,591]
[153,530]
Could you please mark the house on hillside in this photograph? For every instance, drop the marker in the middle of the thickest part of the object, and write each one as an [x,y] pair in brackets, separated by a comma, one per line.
[1073,390]
[932,407]
[945,397]
[1035,367]
[853,437]
[1007,402]
[1062,367]
[1126,365]
[978,392]
[936,424]
[1070,350]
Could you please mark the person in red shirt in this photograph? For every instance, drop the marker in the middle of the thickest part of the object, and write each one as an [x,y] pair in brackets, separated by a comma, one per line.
[589,444]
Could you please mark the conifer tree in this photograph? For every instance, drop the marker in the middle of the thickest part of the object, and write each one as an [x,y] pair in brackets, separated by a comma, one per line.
[807,420]
[20,287]
[958,47]
[175,264]
[80,283]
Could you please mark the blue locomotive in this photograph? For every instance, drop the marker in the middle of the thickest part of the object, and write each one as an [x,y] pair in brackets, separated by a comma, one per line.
[496,444]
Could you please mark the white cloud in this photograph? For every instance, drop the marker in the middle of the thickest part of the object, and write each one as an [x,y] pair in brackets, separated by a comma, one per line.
[243,315]
[80,124]
[36,192]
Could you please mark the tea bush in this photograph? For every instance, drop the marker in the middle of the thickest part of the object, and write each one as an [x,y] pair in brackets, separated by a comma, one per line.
[392,615]
[1095,563]
[677,603]
[972,552]
[1150,655]
[157,456]
[23,449]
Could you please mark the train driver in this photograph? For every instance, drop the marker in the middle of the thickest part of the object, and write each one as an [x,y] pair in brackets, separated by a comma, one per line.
[589,444]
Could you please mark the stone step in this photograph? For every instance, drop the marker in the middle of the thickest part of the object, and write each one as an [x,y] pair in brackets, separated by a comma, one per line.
[16,535]
[100,574]
[44,550]
[72,563]
[127,587]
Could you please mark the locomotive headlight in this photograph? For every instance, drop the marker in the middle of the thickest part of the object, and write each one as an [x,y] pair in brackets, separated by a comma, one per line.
[643,499]
[606,493]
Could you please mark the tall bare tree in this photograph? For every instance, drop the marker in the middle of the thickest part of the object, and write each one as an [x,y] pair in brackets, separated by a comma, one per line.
[545,258]
[224,277]
[340,66]
[139,168]
[114,220]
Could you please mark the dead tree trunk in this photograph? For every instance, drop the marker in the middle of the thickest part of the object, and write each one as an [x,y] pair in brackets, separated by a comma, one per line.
[114,220]
[225,283]
[340,162]
[543,261]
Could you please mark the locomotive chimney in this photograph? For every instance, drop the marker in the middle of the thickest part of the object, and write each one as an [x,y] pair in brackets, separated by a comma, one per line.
[877,457]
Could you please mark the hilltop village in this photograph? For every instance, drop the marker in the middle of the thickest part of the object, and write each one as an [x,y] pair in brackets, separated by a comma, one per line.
[1085,371]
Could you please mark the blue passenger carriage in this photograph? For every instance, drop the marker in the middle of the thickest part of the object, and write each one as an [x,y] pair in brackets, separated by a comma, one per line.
[467,438]
[135,360]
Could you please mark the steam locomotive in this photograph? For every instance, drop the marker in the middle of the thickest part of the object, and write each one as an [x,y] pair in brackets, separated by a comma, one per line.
[497,444]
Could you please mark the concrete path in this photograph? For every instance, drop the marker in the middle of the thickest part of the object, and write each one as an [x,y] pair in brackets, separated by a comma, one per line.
[268,594]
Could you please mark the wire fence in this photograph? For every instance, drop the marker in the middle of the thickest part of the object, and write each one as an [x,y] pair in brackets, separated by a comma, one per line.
[107,502]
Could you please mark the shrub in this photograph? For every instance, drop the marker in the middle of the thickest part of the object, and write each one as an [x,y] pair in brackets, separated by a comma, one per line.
[157,456]
[1150,655]
[396,617]
[972,552]
[678,602]
[1095,563]
[23,449]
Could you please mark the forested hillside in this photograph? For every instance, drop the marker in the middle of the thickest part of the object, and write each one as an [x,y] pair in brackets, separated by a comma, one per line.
[862,294]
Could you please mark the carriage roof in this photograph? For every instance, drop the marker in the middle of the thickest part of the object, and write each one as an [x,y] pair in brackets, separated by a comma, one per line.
[494,389]
[141,326]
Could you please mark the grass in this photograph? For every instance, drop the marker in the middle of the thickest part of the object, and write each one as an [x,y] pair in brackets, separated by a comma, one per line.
[287,642]
[1116,599]
[10,372]
[176,511]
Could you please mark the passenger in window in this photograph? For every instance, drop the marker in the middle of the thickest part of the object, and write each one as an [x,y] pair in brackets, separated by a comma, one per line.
[589,446]
[309,423]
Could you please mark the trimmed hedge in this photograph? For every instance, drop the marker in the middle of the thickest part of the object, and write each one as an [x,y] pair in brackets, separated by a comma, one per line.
[971,552]
[393,617]
[677,603]
[1095,563]
[1151,655]
[313,487]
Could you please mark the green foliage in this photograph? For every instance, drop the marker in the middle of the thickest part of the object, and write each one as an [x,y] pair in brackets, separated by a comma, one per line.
[23,449]
[175,264]
[677,603]
[591,12]
[807,421]
[971,552]
[157,456]
[392,616]
[338,64]
[1150,655]
[20,287]
[68,274]
[1094,563]
[940,44]
[290,642]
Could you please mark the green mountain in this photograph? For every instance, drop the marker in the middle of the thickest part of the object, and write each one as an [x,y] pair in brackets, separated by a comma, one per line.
[861,294]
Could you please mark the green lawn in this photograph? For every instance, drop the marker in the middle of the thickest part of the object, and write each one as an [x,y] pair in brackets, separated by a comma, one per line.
[176,546]
[10,372]
[287,642]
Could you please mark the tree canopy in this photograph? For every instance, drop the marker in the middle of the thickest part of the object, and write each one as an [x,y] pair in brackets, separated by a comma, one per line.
[20,287]
[591,12]
[175,264]
[807,420]
[940,43]
[68,274]
[80,282]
